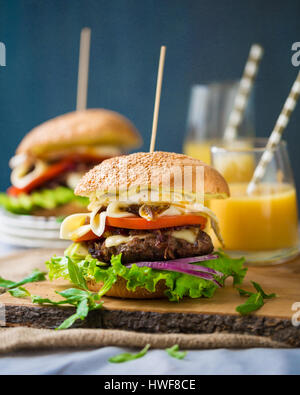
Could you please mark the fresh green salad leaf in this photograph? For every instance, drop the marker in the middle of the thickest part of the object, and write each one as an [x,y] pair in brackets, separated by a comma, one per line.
[75,273]
[263,294]
[84,301]
[6,283]
[175,353]
[19,292]
[178,284]
[126,356]
[15,289]
[35,276]
[255,300]
[44,198]
[253,303]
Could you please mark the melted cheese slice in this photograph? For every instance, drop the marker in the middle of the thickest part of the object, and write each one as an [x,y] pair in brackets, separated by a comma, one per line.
[118,210]
[188,235]
[114,241]
[98,222]
[75,226]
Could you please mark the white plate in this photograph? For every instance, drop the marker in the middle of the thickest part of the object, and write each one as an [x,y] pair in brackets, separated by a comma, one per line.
[33,242]
[29,233]
[28,221]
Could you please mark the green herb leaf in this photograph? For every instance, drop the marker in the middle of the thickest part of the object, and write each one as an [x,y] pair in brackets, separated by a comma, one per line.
[175,353]
[19,292]
[255,300]
[254,303]
[84,301]
[81,313]
[75,274]
[35,276]
[39,300]
[244,293]
[126,356]
[259,289]
[5,283]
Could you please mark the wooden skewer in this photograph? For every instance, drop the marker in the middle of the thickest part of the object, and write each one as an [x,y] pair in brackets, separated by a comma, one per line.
[83,68]
[157,96]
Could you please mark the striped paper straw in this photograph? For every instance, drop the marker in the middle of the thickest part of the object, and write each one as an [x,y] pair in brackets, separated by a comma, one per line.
[245,87]
[276,135]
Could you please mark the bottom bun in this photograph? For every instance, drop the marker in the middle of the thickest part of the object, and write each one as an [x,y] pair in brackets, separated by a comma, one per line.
[119,290]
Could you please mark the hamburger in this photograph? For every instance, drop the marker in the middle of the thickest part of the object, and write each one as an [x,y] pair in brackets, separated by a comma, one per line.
[52,158]
[146,235]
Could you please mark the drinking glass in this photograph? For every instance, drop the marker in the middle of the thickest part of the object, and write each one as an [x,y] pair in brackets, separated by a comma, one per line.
[209,110]
[262,226]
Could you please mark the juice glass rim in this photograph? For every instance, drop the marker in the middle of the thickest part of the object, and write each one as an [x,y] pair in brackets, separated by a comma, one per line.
[256,140]
[211,83]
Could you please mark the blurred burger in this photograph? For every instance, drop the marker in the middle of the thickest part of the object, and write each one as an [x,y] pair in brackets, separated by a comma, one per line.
[52,158]
[144,237]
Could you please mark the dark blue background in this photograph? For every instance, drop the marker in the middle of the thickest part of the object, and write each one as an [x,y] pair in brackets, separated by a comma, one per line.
[206,40]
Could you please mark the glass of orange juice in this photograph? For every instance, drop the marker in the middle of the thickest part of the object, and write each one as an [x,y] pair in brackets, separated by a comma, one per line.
[209,110]
[262,226]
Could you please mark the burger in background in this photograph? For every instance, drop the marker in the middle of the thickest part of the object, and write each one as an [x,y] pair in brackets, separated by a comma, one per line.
[146,235]
[52,158]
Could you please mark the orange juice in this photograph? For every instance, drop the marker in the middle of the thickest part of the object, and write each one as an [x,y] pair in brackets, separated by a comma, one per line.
[198,150]
[264,221]
[234,166]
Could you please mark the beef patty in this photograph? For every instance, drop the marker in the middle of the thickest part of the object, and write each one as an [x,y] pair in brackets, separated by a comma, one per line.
[158,245]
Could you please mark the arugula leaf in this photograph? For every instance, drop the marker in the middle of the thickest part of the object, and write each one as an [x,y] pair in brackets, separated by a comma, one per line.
[35,276]
[253,303]
[75,274]
[242,292]
[5,283]
[175,353]
[84,301]
[15,289]
[19,292]
[126,356]
[255,300]
[259,289]
[81,313]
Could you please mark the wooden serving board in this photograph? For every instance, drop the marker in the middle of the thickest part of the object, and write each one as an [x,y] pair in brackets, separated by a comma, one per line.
[218,314]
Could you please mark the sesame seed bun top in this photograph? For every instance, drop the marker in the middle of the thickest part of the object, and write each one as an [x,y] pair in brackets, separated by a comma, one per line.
[149,169]
[90,127]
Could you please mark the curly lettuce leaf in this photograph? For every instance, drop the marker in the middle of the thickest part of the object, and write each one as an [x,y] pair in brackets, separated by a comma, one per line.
[45,198]
[178,285]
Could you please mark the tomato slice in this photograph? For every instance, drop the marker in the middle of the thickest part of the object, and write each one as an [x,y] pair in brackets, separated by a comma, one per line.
[51,172]
[90,235]
[161,222]
[141,223]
